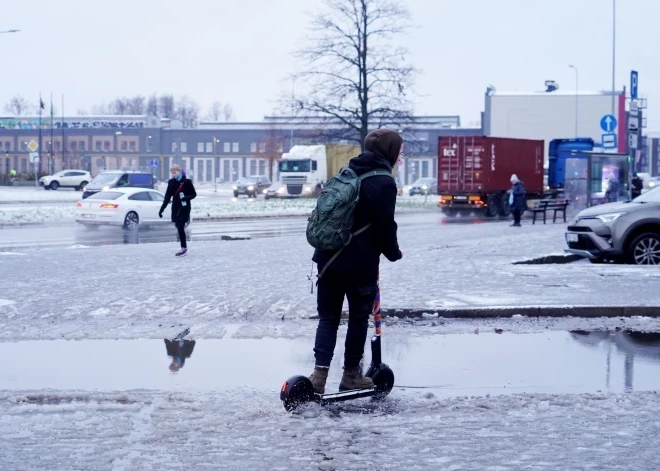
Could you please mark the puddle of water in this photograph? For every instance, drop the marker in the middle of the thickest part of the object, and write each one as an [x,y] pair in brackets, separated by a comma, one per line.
[446,365]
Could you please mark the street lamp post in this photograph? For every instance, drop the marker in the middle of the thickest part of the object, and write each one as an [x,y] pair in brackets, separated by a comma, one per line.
[613,52]
[576,99]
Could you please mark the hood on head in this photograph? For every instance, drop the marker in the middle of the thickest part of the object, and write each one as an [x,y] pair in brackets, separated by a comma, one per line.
[386,143]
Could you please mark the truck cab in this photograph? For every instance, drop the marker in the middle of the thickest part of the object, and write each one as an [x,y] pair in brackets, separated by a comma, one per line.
[303,170]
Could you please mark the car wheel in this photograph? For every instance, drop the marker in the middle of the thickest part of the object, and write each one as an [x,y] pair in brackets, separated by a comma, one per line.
[81,186]
[597,261]
[450,212]
[46,187]
[645,250]
[236,194]
[131,221]
[54,185]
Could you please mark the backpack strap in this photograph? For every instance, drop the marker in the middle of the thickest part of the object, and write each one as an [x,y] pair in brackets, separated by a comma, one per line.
[334,257]
[375,173]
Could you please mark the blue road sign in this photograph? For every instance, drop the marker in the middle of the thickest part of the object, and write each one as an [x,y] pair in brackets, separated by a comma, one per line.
[608,123]
[154,163]
[634,84]
[609,141]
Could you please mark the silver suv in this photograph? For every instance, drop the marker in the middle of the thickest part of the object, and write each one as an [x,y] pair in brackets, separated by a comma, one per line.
[618,232]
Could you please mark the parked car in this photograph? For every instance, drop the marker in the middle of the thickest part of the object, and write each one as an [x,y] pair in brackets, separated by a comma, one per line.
[251,186]
[77,179]
[424,186]
[110,179]
[129,208]
[618,232]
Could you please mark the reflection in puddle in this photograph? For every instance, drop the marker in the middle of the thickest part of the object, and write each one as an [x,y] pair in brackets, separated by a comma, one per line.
[442,365]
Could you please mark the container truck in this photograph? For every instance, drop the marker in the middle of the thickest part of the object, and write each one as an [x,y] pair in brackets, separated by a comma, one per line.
[474,173]
[304,170]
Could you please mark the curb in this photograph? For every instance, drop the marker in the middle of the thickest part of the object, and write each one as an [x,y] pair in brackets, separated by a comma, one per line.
[530,311]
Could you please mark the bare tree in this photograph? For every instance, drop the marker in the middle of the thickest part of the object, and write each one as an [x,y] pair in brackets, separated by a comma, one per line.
[215,111]
[228,112]
[166,106]
[137,105]
[100,109]
[19,106]
[187,111]
[270,149]
[357,79]
[152,105]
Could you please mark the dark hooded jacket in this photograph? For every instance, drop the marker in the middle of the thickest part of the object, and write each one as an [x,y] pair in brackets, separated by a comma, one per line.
[376,205]
[180,213]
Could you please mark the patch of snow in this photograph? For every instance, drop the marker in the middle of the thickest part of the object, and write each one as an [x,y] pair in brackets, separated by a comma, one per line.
[11,253]
[6,302]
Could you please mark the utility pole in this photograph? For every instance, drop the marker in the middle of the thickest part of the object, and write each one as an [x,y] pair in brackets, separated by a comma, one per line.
[576,99]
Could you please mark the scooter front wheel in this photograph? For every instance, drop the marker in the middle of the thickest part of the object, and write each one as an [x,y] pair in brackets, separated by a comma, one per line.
[296,391]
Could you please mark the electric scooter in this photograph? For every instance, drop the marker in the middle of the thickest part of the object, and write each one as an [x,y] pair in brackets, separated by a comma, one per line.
[297,390]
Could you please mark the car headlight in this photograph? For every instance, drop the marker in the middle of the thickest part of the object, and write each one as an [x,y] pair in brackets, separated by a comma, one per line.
[265,192]
[280,190]
[610,217]
[651,184]
[106,188]
[308,189]
[424,187]
[250,188]
[235,187]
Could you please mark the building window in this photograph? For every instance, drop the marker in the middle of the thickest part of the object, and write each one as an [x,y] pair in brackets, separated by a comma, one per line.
[98,146]
[73,145]
[209,147]
[58,146]
[226,147]
[106,145]
[24,146]
[262,147]
[7,146]
[173,147]
[280,147]
[425,169]
[253,167]
[148,146]
[253,147]
[24,165]
[184,147]
[123,146]
[81,146]
[234,146]
[262,167]
[200,147]
[132,146]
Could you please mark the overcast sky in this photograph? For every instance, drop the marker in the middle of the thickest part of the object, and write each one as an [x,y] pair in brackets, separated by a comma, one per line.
[240,51]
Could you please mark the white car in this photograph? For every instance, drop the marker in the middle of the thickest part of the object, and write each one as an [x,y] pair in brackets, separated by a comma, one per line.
[77,179]
[129,208]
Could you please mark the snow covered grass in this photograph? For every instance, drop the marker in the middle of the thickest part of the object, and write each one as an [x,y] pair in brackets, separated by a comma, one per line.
[153,430]
[202,209]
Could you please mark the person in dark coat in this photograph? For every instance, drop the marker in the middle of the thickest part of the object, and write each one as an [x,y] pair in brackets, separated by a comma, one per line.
[354,273]
[517,200]
[179,350]
[612,192]
[181,191]
[637,186]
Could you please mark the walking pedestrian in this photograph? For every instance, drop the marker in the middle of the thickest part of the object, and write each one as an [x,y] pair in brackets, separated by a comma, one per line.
[181,191]
[517,199]
[637,186]
[352,271]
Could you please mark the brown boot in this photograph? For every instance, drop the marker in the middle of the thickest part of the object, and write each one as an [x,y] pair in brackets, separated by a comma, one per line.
[353,379]
[318,379]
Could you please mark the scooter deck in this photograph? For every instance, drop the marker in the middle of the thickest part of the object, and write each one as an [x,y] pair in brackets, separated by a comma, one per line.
[344,395]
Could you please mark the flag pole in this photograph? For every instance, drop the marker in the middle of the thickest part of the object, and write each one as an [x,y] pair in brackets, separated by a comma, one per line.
[37,165]
[62,127]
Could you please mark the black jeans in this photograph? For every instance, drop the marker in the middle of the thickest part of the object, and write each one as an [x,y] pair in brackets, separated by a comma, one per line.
[516,216]
[361,293]
[180,227]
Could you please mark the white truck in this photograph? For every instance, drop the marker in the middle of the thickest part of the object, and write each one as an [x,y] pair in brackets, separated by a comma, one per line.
[304,170]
